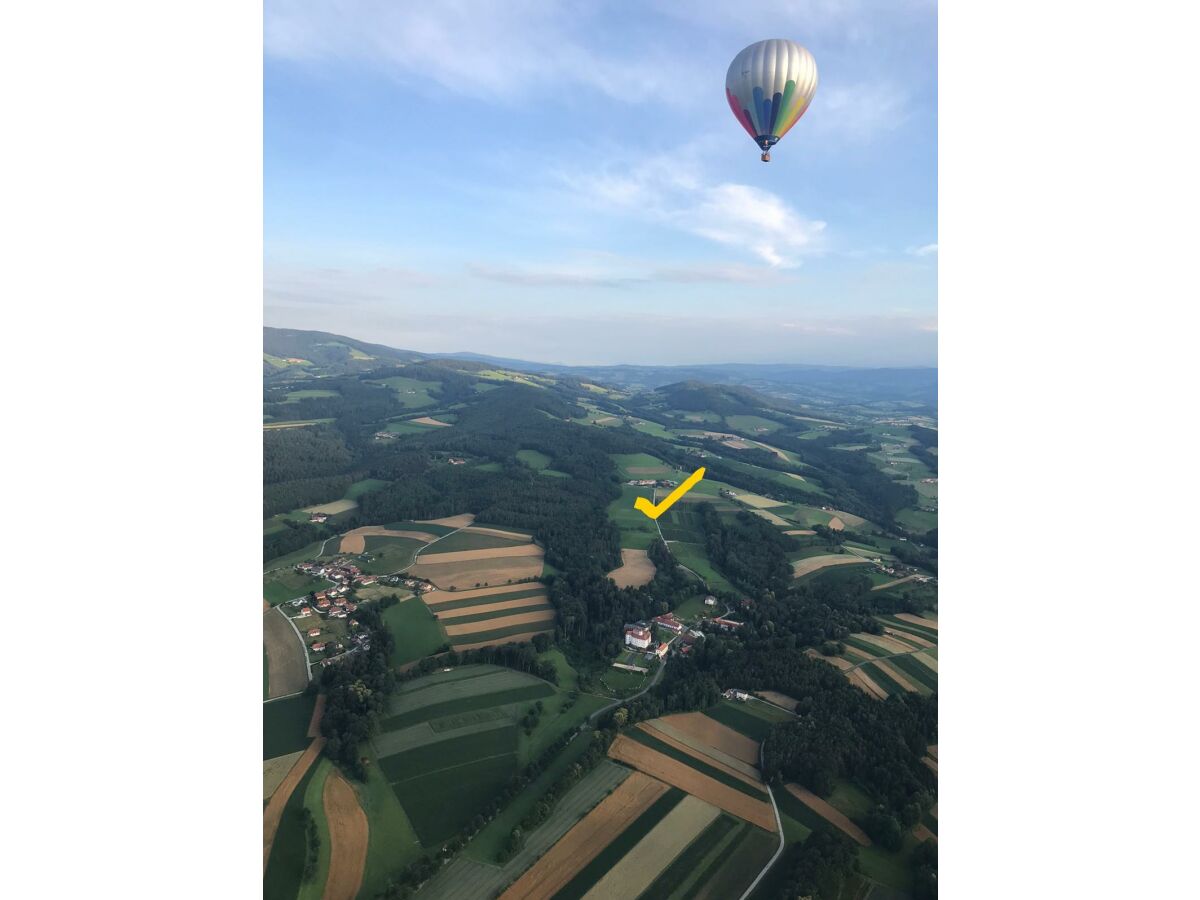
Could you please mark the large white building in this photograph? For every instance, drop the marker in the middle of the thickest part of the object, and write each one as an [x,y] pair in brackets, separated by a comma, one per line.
[637,637]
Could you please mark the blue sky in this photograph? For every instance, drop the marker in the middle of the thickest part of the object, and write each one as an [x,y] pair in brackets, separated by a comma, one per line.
[564,181]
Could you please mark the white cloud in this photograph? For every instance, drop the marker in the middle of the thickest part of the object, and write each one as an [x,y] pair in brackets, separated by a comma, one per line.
[924,250]
[672,190]
[614,272]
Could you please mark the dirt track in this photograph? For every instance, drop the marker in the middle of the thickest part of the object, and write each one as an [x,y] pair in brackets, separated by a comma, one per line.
[830,814]
[348,832]
[592,834]
[635,569]
[287,665]
[684,777]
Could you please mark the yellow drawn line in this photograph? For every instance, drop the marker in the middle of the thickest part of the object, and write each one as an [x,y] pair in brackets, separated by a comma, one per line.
[643,505]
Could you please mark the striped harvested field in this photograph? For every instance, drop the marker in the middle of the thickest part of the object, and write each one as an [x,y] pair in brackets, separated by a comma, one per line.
[454,556]
[890,672]
[433,598]
[815,563]
[839,662]
[712,733]
[523,638]
[544,616]
[859,679]
[918,620]
[657,729]
[682,776]
[484,608]
[640,866]
[909,637]
[926,660]
[596,830]
[479,570]
[831,815]
[892,584]
[887,643]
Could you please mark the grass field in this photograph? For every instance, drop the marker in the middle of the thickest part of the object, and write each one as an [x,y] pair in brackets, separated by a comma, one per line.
[498,635]
[752,424]
[411,393]
[385,555]
[288,584]
[366,486]
[637,531]
[535,459]
[473,698]
[416,632]
[285,725]
[693,556]
[638,466]
[286,863]
[392,840]
[314,888]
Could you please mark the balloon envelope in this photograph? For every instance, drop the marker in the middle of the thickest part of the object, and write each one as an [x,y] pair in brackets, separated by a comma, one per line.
[769,86]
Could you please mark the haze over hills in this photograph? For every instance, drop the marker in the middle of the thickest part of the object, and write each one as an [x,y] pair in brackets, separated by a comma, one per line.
[913,389]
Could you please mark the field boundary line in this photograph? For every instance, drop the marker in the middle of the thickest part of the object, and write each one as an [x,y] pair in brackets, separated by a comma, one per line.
[303,646]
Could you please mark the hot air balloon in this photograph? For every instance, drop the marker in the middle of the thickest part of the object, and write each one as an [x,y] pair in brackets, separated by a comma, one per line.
[769,86]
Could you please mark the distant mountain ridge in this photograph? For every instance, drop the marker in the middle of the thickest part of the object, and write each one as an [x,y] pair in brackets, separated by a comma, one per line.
[795,382]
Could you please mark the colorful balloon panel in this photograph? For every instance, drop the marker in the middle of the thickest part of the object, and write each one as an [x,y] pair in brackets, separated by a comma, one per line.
[769,86]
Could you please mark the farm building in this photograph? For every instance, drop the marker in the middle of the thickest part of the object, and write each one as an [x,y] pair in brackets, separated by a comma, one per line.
[313,632]
[669,622]
[727,624]
[710,601]
[319,646]
[318,518]
[637,637]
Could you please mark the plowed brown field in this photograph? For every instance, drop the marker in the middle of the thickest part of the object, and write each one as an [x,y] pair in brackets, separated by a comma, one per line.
[635,569]
[591,835]
[348,832]
[788,703]
[684,777]
[462,520]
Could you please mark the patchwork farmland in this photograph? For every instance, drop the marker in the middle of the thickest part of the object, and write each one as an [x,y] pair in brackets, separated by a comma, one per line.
[451,741]
[902,659]
[477,557]
[493,615]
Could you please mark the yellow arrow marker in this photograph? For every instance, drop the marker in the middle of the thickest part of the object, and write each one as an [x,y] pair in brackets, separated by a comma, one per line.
[644,505]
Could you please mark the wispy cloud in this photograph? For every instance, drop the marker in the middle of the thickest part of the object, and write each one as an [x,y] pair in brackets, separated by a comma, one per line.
[924,250]
[612,272]
[674,191]
[477,48]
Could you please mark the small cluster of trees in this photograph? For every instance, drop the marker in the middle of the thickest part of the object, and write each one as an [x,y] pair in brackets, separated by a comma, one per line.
[818,867]
[312,845]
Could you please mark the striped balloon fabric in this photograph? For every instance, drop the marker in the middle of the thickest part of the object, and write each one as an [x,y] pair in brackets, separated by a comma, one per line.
[769,86]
